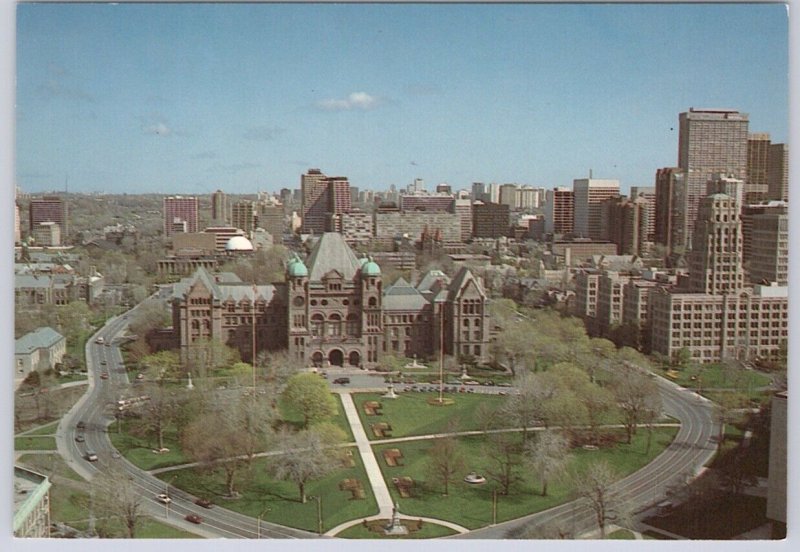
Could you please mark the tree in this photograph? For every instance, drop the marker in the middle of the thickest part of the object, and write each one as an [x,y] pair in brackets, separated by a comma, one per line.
[276,367]
[595,485]
[681,358]
[445,460]
[547,455]
[513,344]
[527,405]
[503,453]
[305,457]
[310,395]
[162,406]
[118,495]
[637,397]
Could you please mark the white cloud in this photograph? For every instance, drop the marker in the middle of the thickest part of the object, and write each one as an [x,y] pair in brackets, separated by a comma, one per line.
[159,129]
[356,100]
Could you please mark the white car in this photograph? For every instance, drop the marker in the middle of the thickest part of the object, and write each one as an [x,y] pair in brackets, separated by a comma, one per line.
[163,498]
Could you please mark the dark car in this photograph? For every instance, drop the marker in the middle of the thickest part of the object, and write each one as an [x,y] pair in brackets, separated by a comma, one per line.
[104,375]
[342,381]
[79,438]
[204,502]
[194,518]
[81,424]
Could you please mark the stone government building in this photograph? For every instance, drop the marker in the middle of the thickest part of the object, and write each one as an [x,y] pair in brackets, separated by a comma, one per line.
[334,310]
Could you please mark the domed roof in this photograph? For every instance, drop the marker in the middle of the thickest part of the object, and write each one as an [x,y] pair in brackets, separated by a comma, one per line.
[370,268]
[296,268]
[238,243]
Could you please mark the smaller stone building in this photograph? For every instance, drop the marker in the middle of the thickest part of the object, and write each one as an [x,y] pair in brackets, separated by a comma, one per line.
[41,349]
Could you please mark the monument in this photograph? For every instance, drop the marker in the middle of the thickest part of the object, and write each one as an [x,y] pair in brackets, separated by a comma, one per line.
[395,527]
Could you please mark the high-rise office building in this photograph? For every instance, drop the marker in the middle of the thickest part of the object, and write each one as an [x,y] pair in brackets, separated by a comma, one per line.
[314,208]
[490,220]
[479,191]
[778,178]
[757,182]
[219,207]
[180,214]
[589,196]
[647,193]
[49,209]
[711,141]
[559,211]
[624,222]
[508,195]
[244,216]
[769,239]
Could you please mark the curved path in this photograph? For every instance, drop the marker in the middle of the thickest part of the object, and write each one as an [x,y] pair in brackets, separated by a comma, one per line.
[691,449]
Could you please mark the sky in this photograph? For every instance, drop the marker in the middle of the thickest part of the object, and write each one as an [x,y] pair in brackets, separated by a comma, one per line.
[178,98]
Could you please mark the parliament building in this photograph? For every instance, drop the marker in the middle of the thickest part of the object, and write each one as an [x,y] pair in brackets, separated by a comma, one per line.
[334,310]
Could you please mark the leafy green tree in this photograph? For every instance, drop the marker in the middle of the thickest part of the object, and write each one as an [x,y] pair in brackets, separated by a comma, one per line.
[309,393]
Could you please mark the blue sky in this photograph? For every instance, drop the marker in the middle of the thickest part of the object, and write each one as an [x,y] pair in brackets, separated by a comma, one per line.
[190,98]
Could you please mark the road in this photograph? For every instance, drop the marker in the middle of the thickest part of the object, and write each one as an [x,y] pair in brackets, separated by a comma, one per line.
[95,409]
[691,449]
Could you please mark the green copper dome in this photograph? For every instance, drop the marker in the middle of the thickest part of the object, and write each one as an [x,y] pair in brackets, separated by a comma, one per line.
[370,268]
[296,268]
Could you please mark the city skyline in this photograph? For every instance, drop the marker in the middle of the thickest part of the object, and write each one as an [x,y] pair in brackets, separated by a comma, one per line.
[192,98]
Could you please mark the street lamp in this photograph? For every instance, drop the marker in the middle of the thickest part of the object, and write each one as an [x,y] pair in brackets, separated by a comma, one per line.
[258,529]
[319,512]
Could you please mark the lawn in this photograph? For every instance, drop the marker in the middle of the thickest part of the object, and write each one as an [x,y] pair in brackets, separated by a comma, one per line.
[259,492]
[295,417]
[410,413]
[46,429]
[139,450]
[49,465]
[28,442]
[471,505]
[716,376]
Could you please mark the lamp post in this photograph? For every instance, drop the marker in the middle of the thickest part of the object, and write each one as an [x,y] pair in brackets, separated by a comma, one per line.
[319,513]
[258,529]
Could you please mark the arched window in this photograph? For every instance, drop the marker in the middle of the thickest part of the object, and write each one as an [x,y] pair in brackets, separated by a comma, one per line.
[317,321]
[352,324]
[373,302]
[334,324]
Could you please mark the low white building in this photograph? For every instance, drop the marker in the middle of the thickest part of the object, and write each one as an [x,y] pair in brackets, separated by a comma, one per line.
[38,350]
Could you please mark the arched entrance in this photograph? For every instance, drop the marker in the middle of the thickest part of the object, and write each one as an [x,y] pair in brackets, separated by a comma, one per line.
[336,358]
[354,358]
[316,359]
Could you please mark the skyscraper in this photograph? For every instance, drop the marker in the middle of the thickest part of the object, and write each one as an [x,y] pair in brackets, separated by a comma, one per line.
[219,207]
[314,206]
[711,141]
[559,211]
[778,178]
[243,216]
[589,196]
[49,209]
[180,213]
[756,185]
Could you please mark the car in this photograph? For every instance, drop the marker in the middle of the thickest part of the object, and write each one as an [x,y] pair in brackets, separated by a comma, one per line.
[80,438]
[139,376]
[115,454]
[194,518]
[104,375]
[81,424]
[472,382]
[91,456]
[204,502]
[99,340]
[163,498]
[103,362]
[341,381]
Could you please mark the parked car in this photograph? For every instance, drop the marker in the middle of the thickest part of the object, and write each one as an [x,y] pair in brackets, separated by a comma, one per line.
[163,498]
[204,502]
[194,518]
[341,381]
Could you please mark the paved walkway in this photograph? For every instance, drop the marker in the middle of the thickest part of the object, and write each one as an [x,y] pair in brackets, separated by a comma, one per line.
[376,480]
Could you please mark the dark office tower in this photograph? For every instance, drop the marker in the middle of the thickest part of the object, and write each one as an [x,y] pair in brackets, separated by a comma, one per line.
[244,216]
[339,194]
[444,188]
[648,193]
[219,207]
[711,141]
[478,191]
[271,219]
[671,222]
[757,183]
[778,180]
[49,209]
[559,211]
[180,215]
[490,220]
[286,196]
[315,199]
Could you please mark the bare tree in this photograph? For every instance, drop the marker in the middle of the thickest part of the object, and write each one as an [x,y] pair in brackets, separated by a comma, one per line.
[305,457]
[276,367]
[527,405]
[547,455]
[637,397]
[445,460]
[503,453]
[595,485]
[117,495]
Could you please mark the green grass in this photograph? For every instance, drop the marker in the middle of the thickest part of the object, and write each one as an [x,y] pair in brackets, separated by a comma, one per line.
[715,376]
[49,465]
[35,443]
[471,505]
[139,450]
[152,529]
[621,534]
[68,505]
[428,531]
[260,492]
[410,413]
[46,429]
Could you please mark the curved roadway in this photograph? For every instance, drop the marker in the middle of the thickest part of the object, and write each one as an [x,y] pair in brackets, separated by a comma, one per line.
[692,448]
